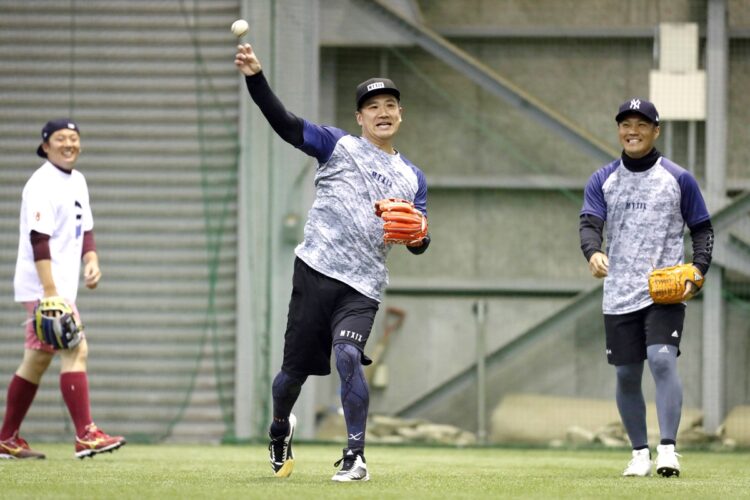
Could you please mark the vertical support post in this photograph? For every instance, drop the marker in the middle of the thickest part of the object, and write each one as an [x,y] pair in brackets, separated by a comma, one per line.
[668,128]
[713,381]
[717,56]
[480,310]
[267,194]
[691,139]
[251,394]
[293,69]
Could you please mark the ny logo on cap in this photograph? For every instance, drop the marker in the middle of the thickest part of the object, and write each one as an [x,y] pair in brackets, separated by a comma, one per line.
[376,85]
[635,104]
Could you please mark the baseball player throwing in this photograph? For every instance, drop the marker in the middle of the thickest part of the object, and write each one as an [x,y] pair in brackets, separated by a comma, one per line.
[368,197]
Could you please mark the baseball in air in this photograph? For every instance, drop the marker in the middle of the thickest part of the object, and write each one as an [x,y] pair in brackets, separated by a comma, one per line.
[240,27]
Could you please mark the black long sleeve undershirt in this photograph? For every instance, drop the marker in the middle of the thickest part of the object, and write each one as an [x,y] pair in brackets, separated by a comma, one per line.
[702,235]
[590,229]
[287,125]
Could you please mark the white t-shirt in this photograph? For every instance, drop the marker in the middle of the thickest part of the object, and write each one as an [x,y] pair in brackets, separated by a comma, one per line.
[55,203]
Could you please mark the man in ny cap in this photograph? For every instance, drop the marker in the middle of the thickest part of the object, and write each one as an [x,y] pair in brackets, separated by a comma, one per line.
[56,234]
[340,270]
[636,106]
[645,200]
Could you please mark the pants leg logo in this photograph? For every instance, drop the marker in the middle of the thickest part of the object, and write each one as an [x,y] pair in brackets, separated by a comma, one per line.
[351,335]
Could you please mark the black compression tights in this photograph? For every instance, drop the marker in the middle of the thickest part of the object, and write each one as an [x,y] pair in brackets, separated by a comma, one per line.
[355,396]
[285,390]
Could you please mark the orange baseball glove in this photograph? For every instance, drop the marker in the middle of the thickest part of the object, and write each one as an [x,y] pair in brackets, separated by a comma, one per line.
[667,284]
[403,224]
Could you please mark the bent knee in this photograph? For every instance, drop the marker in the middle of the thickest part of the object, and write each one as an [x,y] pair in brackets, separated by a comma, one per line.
[348,358]
[348,352]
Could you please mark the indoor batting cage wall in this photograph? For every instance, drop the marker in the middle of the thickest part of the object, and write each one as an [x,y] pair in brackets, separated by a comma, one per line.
[508,108]
[152,87]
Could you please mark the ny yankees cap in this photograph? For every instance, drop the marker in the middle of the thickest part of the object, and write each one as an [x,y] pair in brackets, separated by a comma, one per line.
[53,126]
[375,86]
[640,106]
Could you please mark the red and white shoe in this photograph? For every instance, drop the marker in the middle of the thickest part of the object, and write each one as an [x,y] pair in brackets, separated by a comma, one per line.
[17,447]
[96,441]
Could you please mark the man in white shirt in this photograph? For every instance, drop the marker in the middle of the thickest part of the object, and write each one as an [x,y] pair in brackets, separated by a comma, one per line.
[55,235]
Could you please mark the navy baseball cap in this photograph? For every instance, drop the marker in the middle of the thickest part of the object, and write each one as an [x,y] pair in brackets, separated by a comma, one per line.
[53,126]
[640,106]
[375,86]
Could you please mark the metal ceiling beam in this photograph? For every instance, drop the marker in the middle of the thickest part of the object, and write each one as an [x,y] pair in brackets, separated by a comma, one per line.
[574,32]
[487,78]
[536,182]
[730,250]
[493,288]
[577,32]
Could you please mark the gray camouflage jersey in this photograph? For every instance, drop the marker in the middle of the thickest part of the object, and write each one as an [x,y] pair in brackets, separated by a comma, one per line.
[645,214]
[343,236]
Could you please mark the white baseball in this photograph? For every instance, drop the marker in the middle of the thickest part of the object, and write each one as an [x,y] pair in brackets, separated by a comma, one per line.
[240,27]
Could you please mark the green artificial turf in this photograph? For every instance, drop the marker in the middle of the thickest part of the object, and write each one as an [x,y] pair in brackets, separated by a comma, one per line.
[242,471]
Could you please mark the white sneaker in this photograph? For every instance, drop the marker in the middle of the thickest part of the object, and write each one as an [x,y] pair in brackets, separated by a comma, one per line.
[640,464]
[667,464]
[353,469]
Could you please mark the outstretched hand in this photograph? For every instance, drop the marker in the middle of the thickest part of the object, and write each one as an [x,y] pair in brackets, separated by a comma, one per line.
[246,60]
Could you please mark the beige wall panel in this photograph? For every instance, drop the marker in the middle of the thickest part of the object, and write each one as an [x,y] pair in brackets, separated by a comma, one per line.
[498,234]
[453,127]
[737,349]
[739,13]
[438,340]
[453,251]
[583,81]
[530,235]
[738,110]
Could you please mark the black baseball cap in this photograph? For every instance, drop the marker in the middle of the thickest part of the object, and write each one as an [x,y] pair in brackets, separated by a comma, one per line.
[375,86]
[640,106]
[53,126]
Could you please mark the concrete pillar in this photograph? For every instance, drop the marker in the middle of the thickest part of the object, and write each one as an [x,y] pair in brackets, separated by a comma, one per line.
[716,158]
[285,37]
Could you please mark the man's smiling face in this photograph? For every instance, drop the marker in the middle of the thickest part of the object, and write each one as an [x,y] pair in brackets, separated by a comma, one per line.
[63,148]
[637,135]
[380,118]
